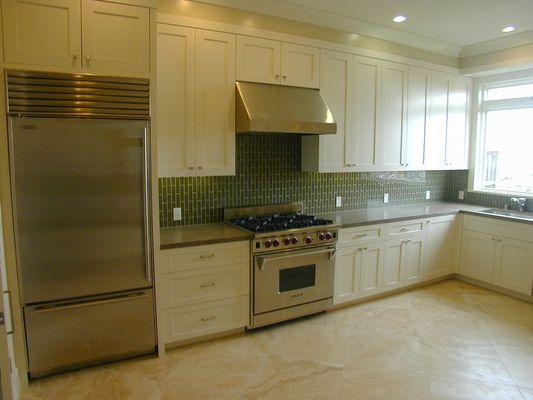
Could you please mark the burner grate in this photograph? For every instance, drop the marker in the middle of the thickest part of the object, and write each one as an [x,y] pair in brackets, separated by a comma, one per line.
[279,222]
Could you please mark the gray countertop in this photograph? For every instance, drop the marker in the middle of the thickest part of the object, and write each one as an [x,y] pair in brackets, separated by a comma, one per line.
[194,235]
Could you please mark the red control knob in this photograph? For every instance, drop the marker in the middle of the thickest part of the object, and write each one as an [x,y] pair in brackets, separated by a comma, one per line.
[321,236]
[268,243]
[308,239]
[287,241]
[329,236]
[294,240]
[276,242]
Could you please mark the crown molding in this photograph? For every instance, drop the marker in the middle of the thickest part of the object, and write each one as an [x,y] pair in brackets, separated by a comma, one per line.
[515,40]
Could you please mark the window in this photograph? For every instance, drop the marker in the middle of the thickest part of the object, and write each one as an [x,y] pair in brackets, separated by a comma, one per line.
[504,156]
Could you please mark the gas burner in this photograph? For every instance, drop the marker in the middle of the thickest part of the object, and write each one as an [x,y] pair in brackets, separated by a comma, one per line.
[279,222]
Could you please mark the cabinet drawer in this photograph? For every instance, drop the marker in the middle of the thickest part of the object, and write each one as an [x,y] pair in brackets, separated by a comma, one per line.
[493,226]
[211,255]
[361,234]
[405,228]
[203,285]
[204,319]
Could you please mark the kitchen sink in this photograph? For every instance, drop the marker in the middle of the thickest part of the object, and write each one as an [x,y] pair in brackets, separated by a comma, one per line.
[509,213]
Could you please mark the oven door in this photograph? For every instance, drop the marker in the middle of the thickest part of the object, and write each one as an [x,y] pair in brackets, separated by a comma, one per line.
[287,279]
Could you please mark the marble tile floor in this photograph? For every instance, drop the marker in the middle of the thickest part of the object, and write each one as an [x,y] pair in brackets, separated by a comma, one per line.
[449,340]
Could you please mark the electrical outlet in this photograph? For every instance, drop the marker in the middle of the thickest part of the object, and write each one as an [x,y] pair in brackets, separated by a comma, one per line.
[176,214]
[428,194]
[386,198]
[461,195]
[338,201]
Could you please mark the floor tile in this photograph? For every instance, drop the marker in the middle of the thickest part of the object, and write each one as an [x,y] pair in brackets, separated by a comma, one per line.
[453,389]
[519,362]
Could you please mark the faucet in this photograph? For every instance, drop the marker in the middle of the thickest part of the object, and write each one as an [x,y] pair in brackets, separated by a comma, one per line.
[520,202]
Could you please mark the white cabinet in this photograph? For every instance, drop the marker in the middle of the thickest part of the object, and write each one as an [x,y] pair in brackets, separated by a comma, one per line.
[327,153]
[392,270]
[42,32]
[347,274]
[417,116]
[196,89]
[403,261]
[439,252]
[394,115]
[414,259]
[270,61]
[435,143]
[478,253]
[115,37]
[372,256]
[365,109]
[175,119]
[514,265]
[89,34]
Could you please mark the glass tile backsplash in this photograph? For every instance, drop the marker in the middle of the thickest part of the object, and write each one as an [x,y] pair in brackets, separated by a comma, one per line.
[268,172]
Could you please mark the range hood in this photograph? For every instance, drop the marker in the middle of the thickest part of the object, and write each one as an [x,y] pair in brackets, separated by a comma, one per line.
[264,108]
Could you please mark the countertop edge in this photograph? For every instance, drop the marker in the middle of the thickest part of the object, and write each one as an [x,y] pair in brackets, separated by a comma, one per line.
[205,241]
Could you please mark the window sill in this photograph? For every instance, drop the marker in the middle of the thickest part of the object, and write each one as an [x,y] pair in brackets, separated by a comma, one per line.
[502,193]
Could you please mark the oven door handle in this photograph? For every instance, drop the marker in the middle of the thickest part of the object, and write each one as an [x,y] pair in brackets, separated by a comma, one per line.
[261,260]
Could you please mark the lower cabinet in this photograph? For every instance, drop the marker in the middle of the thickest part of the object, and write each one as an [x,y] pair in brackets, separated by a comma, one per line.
[403,262]
[372,256]
[441,242]
[514,265]
[478,252]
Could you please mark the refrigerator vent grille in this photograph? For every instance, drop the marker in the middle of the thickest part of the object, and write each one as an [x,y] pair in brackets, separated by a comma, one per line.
[37,93]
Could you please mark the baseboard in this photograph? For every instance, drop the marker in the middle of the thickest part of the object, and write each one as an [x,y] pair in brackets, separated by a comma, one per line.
[494,288]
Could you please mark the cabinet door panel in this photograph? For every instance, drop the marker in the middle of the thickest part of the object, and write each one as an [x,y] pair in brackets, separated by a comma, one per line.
[414,261]
[440,248]
[215,103]
[417,116]
[392,270]
[299,65]
[514,266]
[394,114]
[456,136]
[478,252]
[347,274]
[116,37]
[175,100]
[42,32]
[372,270]
[336,86]
[366,111]
[258,60]
[435,144]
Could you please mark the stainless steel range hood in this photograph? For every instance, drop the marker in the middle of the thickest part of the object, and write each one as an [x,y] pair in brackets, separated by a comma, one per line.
[263,108]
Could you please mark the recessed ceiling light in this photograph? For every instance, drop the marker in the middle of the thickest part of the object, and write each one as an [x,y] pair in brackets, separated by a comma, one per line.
[399,18]
[508,29]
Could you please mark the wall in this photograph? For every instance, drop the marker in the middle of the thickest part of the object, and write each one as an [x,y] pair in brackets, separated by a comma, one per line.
[268,172]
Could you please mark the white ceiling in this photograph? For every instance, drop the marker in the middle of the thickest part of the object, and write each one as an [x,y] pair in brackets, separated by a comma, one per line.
[445,26]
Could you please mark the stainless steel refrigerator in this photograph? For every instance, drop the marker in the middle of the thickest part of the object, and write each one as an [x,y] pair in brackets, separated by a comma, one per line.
[80,168]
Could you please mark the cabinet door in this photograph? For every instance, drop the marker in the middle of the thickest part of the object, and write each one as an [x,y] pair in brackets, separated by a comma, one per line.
[478,252]
[413,260]
[394,117]
[435,143]
[347,274]
[366,113]
[372,269]
[392,269]
[457,129]
[215,103]
[417,116]
[175,100]
[299,65]
[514,266]
[258,60]
[42,32]
[335,86]
[439,247]
[116,37]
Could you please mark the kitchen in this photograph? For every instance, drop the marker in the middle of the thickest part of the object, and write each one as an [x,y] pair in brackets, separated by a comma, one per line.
[246,199]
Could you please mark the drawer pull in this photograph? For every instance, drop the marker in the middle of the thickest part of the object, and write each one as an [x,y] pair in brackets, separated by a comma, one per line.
[361,236]
[207,284]
[299,294]
[205,319]
[207,256]
[404,230]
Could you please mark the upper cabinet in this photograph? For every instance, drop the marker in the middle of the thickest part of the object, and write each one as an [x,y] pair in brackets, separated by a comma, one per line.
[417,116]
[195,102]
[274,62]
[76,34]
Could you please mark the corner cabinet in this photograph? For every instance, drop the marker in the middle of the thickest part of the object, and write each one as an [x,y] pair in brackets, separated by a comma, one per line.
[195,100]
[87,34]
[279,63]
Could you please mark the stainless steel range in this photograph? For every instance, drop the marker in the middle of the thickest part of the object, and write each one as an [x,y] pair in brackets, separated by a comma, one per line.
[293,262]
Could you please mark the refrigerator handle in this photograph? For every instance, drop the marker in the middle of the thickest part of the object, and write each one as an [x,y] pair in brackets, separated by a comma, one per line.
[147,208]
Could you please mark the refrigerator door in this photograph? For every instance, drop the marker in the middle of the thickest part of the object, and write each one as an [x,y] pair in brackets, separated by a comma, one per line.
[81,202]
[67,335]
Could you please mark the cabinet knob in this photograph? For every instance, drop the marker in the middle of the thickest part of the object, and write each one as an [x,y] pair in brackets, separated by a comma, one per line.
[276,76]
[191,167]
[284,76]
[88,58]
[74,56]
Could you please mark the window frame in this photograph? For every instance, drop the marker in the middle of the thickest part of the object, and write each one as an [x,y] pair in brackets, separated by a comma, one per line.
[480,109]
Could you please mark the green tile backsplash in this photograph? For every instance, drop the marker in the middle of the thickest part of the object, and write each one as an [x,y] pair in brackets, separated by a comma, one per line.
[268,172]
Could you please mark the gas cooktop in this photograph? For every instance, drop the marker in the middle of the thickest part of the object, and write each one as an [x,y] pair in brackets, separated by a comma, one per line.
[279,222]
